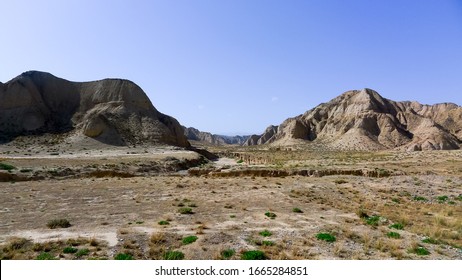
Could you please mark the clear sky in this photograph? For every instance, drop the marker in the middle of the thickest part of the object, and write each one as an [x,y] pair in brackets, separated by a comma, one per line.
[232,66]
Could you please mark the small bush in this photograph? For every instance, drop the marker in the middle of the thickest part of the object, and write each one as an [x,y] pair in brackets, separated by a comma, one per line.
[326,237]
[185,210]
[420,251]
[373,220]
[420,198]
[265,233]
[393,234]
[267,243]
[189,239]
[297,210]
[430,241]
[173,255]
[442,198]
[70,250]
[240,161]
[163,223]
[58,223]
[340,181]
[270,215]
[82,252]
[227,254]
[6,166]
[459,197]
[253,255]
[397,226]
[45,256]
[123,257]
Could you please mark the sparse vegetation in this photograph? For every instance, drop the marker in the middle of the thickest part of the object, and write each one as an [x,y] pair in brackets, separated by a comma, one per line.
[267,243]
[397,226]
[393,234]
[189,239]
[163,223]
[373,220]
[228,253]
[265,233]
[123,257]
[58,223]
[45,256]
[82,252]
[420,198]
[185,211]
[326,237]
[70,250]
[297,210]
[270,215]
[173,255]
[253,255]
[419,250]
[6,166]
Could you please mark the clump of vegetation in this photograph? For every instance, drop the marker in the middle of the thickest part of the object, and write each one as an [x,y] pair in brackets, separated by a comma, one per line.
[163,223]
[393,234]
[70,250]
[420,198]
[123,257]
[6,166]
[326,237]
[397,226]
[185,210]
[396,200]
[265,233]
[340,181]
[189,239]
[240,161]
[430,241]
[173,255]
[459,197]
[253,255]
[373,220]
[58,223]
[297,210]
[270,215]
[82,252]
[45,256]
[442,198]
[362,214]
[419,250]
[267,243]
[227,254]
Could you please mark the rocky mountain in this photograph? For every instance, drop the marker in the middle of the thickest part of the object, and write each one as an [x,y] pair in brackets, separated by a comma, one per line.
[194,134]
[364,120]
[112,111]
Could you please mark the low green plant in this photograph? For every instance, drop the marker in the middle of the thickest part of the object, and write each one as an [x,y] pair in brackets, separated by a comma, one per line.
[58,223]
[396,200]
[82,252]
[267,243]
[240,161]
[373,220]
[393,234]
[123,257]
[459,197]
[326,237]
[173,255]
[265,233]
[185,210]
[45,256]
[70,250]
[6,166]
[253,255]
[163,223]
[297,210]
[397,226]
[420,251]
[442,198]
[227,254]
[340,181]
[430,240]
[420,198]
[270,215]
[139,222]
[189,239]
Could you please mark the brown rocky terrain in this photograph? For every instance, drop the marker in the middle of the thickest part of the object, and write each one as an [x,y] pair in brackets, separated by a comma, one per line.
[194,134]
[112,111]
[364,120]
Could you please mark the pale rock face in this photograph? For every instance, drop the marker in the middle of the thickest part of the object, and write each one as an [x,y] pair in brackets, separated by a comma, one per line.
[112,111]
[364,120]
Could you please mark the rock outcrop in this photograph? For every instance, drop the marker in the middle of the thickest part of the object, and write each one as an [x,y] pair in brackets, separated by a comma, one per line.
[194,134]
[364,120]
[112,111]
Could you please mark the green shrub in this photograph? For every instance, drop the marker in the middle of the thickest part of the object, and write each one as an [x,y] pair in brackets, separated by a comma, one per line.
[6,166]
[227,254]
[240,161]
[326,237]
[397,226]
[270,215]
[297,210]
[393,234]
[373,220]
[430,241]
[253,255]
[442,198]
[70,250]
[82,252]
[189,239]
[45,256]
[123,257]
[265,233]
[185,210]
[173,255]
[163,223]
[58,223]
[420,251]
[420,198]
[267,243]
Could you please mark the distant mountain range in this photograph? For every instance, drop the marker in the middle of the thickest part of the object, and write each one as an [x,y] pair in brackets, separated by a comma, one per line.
[194,134]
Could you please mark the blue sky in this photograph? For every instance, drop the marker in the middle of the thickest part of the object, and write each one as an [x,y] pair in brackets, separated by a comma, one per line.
[231,66]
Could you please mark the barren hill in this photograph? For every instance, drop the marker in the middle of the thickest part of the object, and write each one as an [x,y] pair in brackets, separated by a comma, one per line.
[364,120]
[194,134]
[112,111]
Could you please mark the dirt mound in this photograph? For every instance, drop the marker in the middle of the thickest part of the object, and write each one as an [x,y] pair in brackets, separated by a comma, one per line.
[364,120]
[113,111]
